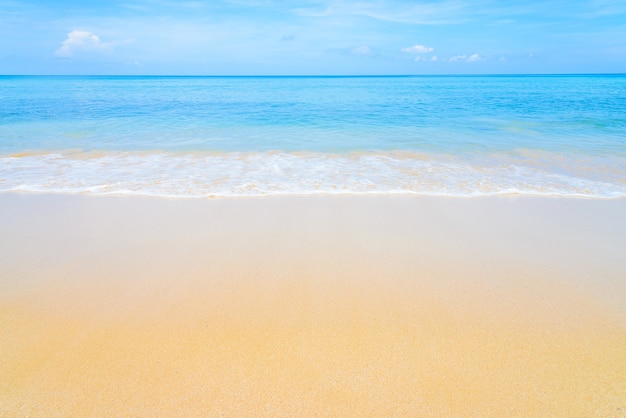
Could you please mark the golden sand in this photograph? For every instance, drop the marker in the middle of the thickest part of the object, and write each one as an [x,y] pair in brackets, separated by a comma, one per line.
[312,307]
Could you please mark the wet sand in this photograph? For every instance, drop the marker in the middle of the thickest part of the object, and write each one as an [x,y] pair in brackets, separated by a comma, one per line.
[312,306]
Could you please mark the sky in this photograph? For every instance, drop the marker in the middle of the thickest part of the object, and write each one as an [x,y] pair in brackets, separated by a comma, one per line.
[312,37]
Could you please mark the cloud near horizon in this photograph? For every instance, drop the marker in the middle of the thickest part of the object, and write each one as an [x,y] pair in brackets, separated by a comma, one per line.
[79,40]
[418,49]
[466,58]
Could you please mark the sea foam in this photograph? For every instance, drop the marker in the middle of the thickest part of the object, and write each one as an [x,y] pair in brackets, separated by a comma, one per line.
[204,174]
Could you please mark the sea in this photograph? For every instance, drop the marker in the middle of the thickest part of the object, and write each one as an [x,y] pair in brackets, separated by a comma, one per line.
[201,137]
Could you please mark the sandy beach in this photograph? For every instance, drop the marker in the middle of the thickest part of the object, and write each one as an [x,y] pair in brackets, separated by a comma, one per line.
[312,306]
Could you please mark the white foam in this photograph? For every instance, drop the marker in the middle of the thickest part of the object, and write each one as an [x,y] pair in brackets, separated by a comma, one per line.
[195,175]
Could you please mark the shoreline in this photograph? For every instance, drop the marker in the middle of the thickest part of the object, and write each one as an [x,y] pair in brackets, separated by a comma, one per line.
[201,174]
[315,195]
[304,305]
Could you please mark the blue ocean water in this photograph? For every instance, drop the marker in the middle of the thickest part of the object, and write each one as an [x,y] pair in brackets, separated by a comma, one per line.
[234,136]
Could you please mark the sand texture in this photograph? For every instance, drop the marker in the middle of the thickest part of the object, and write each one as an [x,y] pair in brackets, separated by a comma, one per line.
[312,306]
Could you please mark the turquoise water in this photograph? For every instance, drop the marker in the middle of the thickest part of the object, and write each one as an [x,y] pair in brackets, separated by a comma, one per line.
[233,136]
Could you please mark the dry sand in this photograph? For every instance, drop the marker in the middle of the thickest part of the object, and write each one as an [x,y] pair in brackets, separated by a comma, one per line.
[312,306]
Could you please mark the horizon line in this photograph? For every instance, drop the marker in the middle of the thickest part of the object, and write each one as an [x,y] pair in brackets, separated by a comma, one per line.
[321,75]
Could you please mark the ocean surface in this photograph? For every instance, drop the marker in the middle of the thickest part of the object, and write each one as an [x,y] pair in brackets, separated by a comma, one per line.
[252,136]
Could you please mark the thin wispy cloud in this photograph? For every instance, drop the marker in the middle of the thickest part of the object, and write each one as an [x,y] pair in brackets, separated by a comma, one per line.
[424,13]
[358,51]
[361,50]
[466,58]
[601,8]
[418,49]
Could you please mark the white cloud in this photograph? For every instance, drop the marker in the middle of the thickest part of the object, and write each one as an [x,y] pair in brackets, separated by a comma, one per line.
[434,58]
[418,59]
[467,58]
[427,13]
[79,40]
[458,58]
[418,49]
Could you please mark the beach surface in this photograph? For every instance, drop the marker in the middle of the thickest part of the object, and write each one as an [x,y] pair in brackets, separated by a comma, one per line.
[312,306]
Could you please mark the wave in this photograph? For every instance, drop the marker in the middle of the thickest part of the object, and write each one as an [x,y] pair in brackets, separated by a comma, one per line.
[204,174]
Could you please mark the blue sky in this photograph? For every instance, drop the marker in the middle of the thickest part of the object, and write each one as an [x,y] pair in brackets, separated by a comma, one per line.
[334,37]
